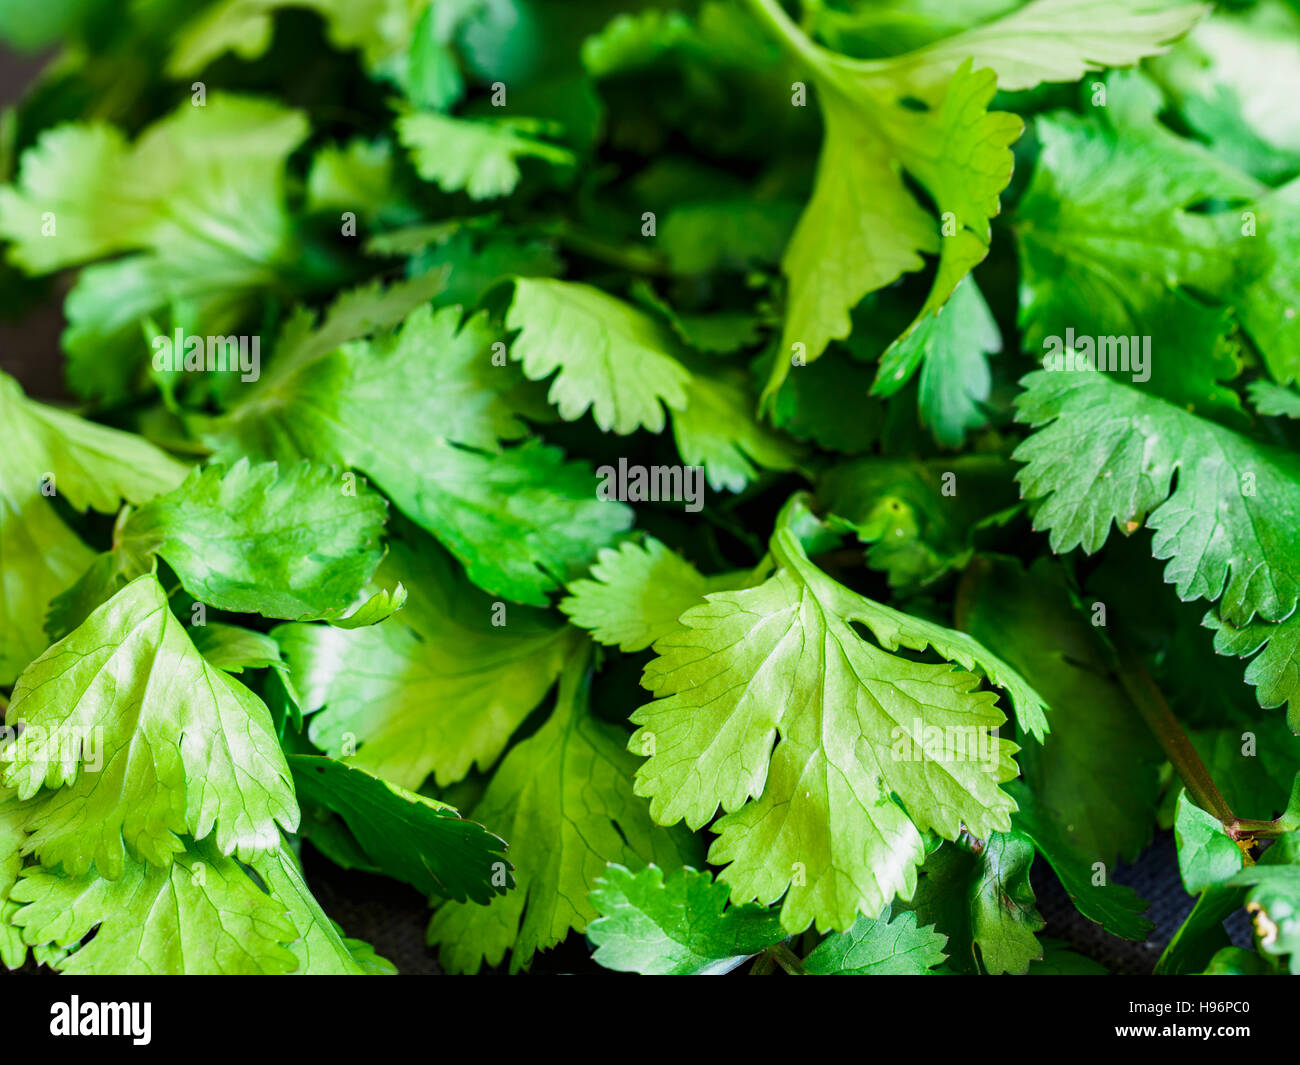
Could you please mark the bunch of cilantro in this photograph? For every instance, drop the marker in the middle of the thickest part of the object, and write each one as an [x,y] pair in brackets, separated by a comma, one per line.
[736,481]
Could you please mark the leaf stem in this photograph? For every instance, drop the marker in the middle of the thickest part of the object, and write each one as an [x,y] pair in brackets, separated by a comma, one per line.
[772,15]
[1172,738]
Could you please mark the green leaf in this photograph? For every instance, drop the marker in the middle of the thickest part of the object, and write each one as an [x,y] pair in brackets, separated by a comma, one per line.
[981,899]
[1206,853]
[144,741]
[1115,907]
[1275,671]
[637,593]
[1274,399]
[880,947]
[484,666]
[718,430]
[427,432]
[613,359]
[201,914]
[952,348]
[675,924]
[1069,39]
[1274,903]
[564,796]
[418,840]
[478,156]
[863,228]
[1100,167]
[321,948]
[1105,453]
[51,454]
[253,539]
[1097,771]
[815,819]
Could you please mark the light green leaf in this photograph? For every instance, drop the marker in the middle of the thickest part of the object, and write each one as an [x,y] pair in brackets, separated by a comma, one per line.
[478,156]
[674,924]
[637,593]
[144,741]
[1106,453]
[1206,854]
[49,453]
[879,947]
[201,914]
[564,797]
[815,819]
[613,359]
[483,667]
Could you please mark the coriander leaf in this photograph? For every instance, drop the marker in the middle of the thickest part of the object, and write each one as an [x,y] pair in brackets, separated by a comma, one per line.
[1274,904]
[1108,453]
[612,358]
[637,592]
[863,228]
[520,519]
[1099,167]
[674,924]
[418,840]
[1202,933]
[564,796]
[13,951]
[718,430]
[1069,39]
[484,666]
[479,156]
[1207,855]
[200,914]
[784,658]
[255,539]
[1275,671]
[981,899]
[321,948]
[951,347]
[1097,771]
[49,453]
[144,741]
[1274,399]
[1115,907]
[884,946]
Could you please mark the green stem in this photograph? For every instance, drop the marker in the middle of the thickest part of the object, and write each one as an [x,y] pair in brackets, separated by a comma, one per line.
[772,15]
[787,959]
[1172,739]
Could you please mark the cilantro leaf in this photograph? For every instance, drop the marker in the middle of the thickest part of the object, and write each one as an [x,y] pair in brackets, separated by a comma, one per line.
[612,358]
[1206,854]
[200,914]
[564,796]
[321,948]
[144,741]
[479,156]
[1107,453]
[882,947]
[369,690]
[256,540]
[784,658]
[520,519]
[50,453]
[981,899]
[637,593]
[413,838]
[674,924]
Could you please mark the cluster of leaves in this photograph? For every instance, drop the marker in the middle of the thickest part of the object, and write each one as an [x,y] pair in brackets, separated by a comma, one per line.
[499,249]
